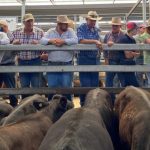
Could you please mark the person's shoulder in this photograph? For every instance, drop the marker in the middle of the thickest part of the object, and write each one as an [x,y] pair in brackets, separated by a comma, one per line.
[51,30]
[83,25]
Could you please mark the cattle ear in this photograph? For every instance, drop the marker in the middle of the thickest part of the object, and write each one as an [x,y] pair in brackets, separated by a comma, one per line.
[63,102]
[40,105]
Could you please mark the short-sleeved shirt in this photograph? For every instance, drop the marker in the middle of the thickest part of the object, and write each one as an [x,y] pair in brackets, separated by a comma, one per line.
[24,38]
[84,32]
[142,39]
[114,37]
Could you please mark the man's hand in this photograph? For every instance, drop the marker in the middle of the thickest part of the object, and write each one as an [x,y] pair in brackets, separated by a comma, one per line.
[34,42]
[44,57]
[16,42]
[99,45]
[59,42]
[110,43]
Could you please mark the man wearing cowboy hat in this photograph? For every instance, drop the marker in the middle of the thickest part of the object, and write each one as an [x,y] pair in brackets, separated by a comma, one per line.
[88,34]
[59,36]
[113,57]
[145,38]
[7,58]
[28,34]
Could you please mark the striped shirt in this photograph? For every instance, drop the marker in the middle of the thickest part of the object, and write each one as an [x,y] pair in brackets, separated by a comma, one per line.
[84,32]
[24,38]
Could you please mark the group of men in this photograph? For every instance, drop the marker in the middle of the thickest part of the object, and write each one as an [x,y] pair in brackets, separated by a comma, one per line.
[87,33]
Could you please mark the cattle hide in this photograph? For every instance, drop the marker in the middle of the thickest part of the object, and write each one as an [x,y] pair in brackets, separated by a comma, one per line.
[5,109]
[78,129]
[133,109]
[26,107]
[27,134]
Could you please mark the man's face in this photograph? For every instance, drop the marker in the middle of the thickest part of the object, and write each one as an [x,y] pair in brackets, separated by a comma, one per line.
[29,24]
[91,23]
[141,30]
[63,26]
[116,28]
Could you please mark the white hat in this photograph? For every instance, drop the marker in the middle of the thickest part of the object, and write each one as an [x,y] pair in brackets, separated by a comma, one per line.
[3,22]
[62,19]
[27,17]
[92,15]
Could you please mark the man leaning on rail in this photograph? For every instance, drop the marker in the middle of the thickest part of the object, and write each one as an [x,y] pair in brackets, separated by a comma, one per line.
[7,58]
[59,36]
[28,34]
[88,33]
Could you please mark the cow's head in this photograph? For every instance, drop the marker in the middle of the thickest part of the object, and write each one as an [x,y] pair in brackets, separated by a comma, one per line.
[57,107]
[98,98]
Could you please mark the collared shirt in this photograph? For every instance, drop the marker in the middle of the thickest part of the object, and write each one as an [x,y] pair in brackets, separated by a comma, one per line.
[113,55]
[142,39]
[24,38]
[3,41]
[84,32]
[60,56]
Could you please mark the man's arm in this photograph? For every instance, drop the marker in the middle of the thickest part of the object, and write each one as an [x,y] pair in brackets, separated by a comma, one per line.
[4,40]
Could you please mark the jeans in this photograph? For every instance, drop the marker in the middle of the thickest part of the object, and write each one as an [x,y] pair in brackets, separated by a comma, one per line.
[129,77]
[9,80]
[88,79]
[60,79]
[111,75]
[29,79]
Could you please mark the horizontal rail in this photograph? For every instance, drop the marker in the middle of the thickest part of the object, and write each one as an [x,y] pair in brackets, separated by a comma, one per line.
[75,90]
[80,68]
[78,47]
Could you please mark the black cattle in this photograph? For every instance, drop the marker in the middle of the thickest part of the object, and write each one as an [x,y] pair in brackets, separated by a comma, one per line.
[28,133]
[81,128]
[26,107]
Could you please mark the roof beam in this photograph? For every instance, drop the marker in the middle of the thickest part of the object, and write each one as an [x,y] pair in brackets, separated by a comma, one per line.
[133,8]
[52,1]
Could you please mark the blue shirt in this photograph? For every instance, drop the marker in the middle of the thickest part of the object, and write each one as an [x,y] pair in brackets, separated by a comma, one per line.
[84,32]
[60,56]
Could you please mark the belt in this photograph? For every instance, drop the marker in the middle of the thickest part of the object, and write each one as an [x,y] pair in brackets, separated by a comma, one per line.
[59,63]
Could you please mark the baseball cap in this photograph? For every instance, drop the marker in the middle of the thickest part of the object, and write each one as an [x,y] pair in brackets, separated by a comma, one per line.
[131,26]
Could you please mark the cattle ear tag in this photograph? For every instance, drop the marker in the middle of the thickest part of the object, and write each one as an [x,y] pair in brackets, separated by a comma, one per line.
[40,105]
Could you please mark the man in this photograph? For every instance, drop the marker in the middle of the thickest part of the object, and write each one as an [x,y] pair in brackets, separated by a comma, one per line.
[7,58]
[113,57]
[145,38]
[128,57]
[28,34]
[140,59]
[88,33]
[59,36]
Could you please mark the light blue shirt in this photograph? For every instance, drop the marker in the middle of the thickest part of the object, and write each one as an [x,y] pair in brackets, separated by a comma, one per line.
[60,56]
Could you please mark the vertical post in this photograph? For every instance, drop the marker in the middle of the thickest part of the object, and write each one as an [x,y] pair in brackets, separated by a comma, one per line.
[149,8]
[144,11]
[23,9]
[75,20]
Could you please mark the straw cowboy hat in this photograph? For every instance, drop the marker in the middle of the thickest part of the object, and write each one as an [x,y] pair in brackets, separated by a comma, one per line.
[3,22]
[27,17]
[62,19]
[92,15]
[148,23]
[116,21]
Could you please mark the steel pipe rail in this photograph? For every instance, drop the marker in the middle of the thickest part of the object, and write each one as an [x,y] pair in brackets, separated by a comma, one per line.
[80,68]
[46,90]
[78,47]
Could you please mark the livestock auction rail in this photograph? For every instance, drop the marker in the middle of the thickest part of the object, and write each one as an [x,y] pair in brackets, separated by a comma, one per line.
[80,68]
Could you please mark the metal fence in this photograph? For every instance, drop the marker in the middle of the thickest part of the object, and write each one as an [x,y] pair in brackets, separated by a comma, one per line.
[80,68]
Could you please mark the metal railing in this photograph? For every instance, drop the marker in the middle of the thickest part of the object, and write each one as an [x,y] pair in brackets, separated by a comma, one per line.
[80,68]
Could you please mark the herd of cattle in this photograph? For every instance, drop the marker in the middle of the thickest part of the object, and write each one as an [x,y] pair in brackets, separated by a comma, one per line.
[36,124]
